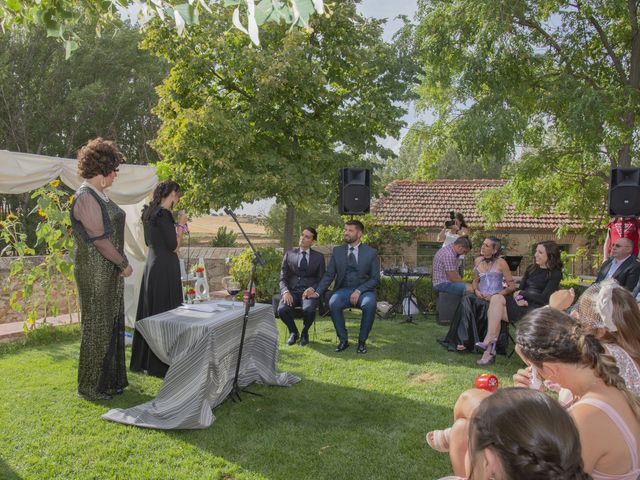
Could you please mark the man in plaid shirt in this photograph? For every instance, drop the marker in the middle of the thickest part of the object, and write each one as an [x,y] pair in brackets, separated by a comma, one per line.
[445,268]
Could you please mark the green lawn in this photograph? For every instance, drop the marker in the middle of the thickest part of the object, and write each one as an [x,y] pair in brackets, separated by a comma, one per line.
[351,417]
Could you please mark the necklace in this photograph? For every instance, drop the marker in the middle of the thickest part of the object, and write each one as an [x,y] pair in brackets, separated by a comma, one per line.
[102,195]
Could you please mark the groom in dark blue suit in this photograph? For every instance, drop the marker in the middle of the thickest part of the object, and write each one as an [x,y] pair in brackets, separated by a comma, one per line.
[356,270]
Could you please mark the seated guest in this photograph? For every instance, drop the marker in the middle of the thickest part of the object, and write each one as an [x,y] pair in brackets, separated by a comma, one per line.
[605,310]
[607,415]
[504,444]
[539,281]
[622,265]
[301,268]
[610,313]
[491,273]
[356,270]
[446,277]
[615,229]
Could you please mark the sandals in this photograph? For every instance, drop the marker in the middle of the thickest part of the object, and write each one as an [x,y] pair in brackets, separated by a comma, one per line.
[439,440]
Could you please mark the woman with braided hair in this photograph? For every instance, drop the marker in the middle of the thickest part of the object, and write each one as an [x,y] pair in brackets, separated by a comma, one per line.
[161,288]
[606,310]
[610,312]
[504,444]
[606,414]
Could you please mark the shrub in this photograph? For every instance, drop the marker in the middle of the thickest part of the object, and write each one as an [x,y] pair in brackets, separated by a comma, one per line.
[388,291]
[267,276]
[55,272]
[224,238]
[573,282]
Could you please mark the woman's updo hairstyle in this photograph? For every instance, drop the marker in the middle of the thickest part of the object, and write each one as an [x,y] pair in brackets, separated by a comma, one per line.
[531,434]
[162,191]
[550,335]
[98,157]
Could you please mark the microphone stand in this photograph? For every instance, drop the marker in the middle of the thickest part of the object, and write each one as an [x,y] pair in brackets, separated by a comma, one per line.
[257,259]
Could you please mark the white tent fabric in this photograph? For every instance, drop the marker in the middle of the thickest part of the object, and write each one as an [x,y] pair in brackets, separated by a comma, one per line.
[23,172]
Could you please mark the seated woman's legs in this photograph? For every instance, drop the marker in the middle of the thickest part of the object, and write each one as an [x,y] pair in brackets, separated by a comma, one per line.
[496,314]
[458,446]
[467,402]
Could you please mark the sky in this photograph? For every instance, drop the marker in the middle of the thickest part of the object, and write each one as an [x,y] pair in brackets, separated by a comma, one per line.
[388,9]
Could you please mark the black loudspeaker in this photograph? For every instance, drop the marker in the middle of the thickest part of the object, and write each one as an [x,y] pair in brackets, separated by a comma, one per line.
[624,192]
[355,191]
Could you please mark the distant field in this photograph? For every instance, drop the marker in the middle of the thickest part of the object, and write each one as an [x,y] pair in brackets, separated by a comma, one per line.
[205,227]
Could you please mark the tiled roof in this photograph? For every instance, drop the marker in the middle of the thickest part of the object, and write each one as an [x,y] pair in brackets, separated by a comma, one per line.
[427,204]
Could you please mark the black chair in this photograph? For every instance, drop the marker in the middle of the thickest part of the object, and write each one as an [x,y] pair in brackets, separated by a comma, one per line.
[513,261]
[447,305]
[323,309]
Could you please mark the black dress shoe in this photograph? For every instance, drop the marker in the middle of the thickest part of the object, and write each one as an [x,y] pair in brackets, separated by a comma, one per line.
[304,339]
[293,338]
[361,347]
[342,345]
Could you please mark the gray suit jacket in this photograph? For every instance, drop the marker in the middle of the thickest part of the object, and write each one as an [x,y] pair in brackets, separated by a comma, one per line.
[368,269]
[290,273]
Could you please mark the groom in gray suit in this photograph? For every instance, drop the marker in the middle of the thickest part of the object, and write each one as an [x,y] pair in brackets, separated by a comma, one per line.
[356,270]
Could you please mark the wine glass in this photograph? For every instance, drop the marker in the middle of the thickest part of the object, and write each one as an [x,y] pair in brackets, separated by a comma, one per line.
[233,288]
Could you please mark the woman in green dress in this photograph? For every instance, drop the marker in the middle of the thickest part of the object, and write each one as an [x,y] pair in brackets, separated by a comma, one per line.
[100,268]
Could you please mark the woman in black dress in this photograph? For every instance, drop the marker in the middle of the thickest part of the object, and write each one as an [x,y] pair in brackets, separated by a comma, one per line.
[539,281]
[161,288]
[100,266]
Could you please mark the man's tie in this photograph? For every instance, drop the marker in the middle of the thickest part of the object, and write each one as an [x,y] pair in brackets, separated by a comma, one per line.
[352,256]
[304,264]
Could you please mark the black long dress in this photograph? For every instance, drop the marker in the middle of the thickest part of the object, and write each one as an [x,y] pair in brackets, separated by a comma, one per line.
[536,287]
[161,287]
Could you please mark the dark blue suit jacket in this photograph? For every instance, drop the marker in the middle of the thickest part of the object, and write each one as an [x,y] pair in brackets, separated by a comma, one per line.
[368,269]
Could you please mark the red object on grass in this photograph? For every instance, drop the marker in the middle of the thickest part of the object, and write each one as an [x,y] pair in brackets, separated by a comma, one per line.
[488,382]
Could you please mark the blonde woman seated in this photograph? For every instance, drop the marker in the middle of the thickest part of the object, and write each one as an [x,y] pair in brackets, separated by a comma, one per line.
[606,414]
[504,444]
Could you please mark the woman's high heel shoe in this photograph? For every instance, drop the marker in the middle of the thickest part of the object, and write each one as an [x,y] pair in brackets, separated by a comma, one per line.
[482,346]
[491,348]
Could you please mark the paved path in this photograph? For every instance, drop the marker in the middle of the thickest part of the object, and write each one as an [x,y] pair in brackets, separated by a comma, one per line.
[10,331]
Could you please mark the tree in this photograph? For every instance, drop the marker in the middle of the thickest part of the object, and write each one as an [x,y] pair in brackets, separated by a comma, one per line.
[555,82]
[454,165]
[51,106]
[319,215]
[404,166]
[242,123]
[61,18]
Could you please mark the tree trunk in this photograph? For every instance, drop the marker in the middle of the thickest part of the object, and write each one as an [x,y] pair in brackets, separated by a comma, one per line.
[288,227]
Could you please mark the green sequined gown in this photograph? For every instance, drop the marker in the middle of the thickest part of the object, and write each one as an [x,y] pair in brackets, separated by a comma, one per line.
[101,368]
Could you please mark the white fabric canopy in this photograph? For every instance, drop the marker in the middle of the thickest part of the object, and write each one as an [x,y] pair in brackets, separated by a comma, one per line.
[23,172]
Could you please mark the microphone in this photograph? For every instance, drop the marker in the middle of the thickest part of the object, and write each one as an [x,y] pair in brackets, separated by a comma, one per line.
[229,212]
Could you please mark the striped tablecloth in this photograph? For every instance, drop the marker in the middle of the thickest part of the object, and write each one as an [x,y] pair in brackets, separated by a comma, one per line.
[202,351]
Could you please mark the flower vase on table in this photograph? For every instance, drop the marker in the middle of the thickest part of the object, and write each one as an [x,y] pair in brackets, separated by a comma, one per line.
[189,295]
[201,287]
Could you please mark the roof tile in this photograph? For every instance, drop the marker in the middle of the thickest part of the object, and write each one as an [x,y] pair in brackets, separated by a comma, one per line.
[414,203]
